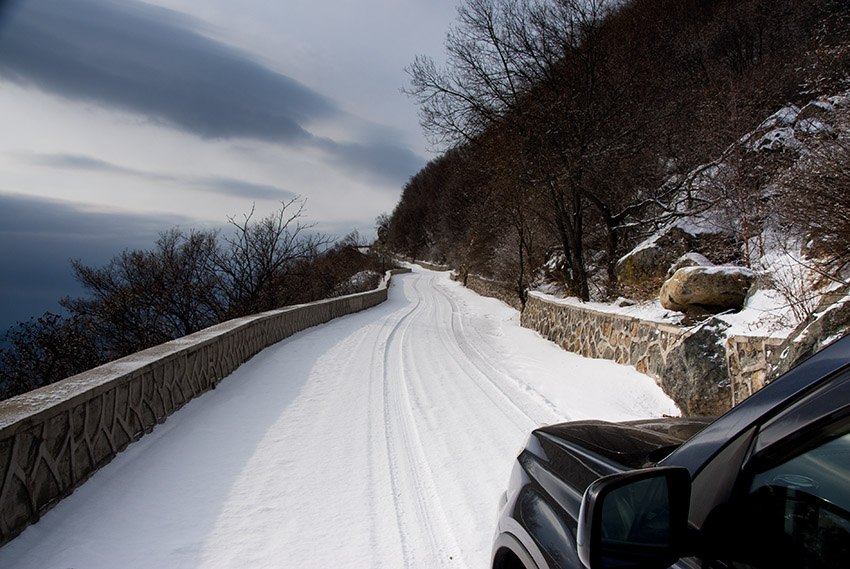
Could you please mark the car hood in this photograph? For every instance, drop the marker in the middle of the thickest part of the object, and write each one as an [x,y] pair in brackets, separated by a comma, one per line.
[582,451]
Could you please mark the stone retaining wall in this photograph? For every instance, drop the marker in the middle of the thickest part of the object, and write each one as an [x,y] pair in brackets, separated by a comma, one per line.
[691,375]
[54,438]
[593,334]
[493,289]
[750,359]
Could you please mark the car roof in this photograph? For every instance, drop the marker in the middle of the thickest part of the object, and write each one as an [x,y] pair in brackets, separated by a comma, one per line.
[762,405]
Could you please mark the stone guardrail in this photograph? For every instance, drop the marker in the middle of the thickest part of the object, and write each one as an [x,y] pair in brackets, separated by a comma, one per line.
[54,438]
[493,289]
[594,334]
[700,375]
[423,264]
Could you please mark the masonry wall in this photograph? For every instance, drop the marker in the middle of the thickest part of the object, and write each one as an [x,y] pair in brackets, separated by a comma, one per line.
[706,385]
[593,334]
[750,359]
[494,289]
[54,438]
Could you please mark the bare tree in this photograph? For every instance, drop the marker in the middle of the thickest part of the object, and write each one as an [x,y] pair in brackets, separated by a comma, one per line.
[534,65]
[259,265]
[143,298]
[44,350]
[815,202]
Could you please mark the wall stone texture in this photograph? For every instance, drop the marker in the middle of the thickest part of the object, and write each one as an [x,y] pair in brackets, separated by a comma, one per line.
[54,438]
[594,334]
[493,289]
[750,360]
[703,371]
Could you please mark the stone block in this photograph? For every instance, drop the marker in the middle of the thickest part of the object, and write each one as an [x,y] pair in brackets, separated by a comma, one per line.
[710,288]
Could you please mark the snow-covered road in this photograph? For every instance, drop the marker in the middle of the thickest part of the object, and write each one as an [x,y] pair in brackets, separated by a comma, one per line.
[381,439]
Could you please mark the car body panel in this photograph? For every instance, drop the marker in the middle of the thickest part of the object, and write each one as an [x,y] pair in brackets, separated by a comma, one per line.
[541,505]
[560,461]
[761,406]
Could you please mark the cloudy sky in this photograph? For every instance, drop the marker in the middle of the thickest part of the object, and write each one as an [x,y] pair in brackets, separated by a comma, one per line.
[124,118]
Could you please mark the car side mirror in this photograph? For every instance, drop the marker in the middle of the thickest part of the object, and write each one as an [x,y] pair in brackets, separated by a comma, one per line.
[635,520]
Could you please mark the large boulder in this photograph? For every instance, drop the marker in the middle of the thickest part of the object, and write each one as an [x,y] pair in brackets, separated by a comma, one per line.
[709,288]
[696,374]
[689,260]
[651,259]
[649,262]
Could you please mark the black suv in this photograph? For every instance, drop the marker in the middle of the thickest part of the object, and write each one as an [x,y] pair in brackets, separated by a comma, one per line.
[765,486]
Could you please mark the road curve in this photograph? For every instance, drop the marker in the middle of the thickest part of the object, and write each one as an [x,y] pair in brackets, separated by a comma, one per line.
[381,439]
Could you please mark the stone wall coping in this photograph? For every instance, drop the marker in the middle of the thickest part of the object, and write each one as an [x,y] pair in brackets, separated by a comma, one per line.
[54,438]
[23,410]
[664,326]
[424,264]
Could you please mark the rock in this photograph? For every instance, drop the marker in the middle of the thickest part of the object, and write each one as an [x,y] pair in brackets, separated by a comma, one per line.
[696,374]
[711,288]
[814,119]
[689,260]
[651,260]
[829,322]
[819,110]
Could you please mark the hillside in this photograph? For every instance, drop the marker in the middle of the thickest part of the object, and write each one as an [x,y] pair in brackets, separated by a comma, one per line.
[696,132]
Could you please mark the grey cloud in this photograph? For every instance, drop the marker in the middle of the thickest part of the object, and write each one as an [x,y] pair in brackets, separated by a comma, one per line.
[74,162]
[386,163]
[157,62]
[231,187]
[213,184]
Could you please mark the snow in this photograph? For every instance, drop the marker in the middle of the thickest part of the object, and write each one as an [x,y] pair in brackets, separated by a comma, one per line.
[776,139]
[765,315]
[651,311]
[814,126]
[783,117]
[696,258]
[719,270]
[380,439]
[767,312]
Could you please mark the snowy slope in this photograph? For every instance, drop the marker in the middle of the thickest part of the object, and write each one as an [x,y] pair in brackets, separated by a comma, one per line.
[381,439]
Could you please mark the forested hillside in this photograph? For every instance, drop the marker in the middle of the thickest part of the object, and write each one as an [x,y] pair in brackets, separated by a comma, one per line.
[572,130]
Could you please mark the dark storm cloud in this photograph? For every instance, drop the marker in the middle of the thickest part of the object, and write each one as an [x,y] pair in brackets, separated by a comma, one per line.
[39,238]
[157,62]
[213,184]
[385,162]
[153,61]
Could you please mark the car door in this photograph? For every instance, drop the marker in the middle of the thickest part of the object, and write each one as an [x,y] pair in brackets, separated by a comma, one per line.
[790,505]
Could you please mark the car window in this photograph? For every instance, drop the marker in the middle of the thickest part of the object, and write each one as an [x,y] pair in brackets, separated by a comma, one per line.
[799,509]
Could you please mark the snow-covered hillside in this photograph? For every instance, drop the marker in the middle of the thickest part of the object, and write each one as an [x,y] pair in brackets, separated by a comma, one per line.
[381,439]
[739,199]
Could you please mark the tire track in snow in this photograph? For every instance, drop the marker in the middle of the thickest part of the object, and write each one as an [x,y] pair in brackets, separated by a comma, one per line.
[461,416]
[379,450]
[519,416]
[530,402]
[412,476]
